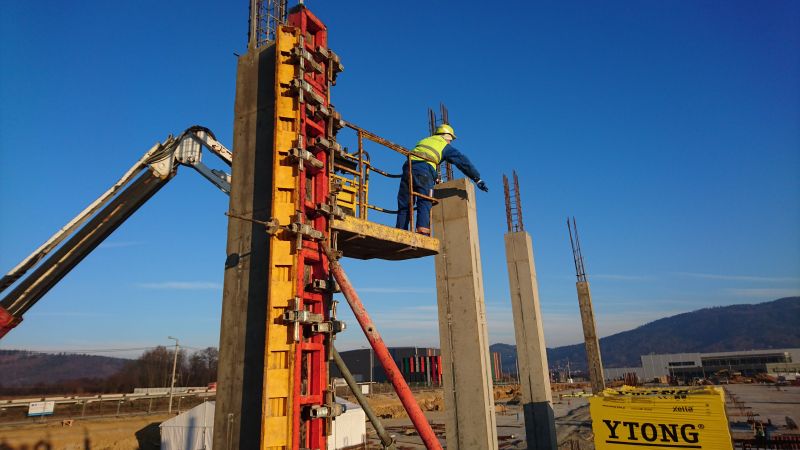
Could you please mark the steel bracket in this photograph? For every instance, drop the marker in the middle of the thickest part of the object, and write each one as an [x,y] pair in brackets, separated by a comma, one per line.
[336,63]
[299,154]
[336,186]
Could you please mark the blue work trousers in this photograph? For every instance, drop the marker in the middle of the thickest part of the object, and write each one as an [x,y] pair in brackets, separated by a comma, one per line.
[424,177]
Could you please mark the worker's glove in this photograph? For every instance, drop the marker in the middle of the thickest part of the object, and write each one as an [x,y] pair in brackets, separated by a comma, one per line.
[482,185]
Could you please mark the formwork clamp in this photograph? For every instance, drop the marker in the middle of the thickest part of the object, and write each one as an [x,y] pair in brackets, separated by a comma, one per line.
[327,144]
[321,285]
[326,411]
[332,211]
[305,57]
[302,229]
[332,327]
[301,316]
[306,91]
[304,156]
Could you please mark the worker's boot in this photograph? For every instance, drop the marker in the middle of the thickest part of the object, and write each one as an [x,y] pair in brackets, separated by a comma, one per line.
[423,230]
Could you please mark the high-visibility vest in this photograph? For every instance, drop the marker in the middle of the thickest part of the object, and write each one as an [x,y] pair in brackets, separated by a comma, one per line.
[432,147]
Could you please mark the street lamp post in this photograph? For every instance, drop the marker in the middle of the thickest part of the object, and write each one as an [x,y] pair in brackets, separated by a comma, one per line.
[174,365]
[371,365]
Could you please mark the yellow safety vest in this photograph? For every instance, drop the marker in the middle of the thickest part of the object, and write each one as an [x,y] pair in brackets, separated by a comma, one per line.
[432,147]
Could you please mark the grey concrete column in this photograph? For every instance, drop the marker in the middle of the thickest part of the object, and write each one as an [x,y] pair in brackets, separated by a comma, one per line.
[468,389]
[240,377]
[590,337]
[534,376]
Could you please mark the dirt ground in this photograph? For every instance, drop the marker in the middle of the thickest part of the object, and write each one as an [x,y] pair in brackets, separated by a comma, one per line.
[128,433]
[573,423]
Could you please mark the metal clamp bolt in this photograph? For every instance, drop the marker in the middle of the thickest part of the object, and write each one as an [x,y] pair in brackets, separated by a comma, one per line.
[302,87]
[327,144]
[301,316]
[324,285]
[305,230]
[305,57]
[326,411]
[334,326]
[332,211]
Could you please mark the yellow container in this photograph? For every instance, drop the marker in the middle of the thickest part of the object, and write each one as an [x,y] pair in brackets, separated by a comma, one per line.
[661,418]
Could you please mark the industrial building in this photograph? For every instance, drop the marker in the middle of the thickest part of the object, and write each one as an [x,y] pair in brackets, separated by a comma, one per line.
[686,366]
[365,367]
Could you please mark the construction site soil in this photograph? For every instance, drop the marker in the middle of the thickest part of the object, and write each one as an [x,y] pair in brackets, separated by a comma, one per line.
[573,423]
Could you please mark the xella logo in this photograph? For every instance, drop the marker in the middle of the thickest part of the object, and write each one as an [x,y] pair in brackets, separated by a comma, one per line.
[647,434]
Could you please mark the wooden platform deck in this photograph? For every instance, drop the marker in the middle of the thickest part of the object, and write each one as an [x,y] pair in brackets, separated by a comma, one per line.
[362,239]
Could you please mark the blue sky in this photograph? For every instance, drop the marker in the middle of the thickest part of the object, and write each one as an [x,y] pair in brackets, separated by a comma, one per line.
[671,130]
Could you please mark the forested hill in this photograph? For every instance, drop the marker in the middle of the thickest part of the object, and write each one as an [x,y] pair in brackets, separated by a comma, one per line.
[720,329]
[725,328]
[24,368]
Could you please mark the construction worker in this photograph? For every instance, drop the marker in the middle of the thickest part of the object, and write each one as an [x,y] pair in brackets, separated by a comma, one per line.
[424,172]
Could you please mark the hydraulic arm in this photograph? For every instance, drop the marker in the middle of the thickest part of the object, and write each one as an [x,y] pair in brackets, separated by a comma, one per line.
[98,220]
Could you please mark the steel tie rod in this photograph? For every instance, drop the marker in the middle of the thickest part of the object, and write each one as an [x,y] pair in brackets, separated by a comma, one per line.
[386,440]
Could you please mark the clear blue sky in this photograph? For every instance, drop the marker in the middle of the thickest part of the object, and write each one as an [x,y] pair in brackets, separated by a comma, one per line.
[671,130]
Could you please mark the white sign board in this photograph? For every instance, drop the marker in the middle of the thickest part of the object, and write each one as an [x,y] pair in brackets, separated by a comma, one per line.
[41,408]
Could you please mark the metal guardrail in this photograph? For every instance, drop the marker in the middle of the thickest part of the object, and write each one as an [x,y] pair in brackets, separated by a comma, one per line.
[364,166]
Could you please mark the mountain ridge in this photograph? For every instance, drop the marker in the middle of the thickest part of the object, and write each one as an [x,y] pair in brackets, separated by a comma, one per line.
[766,325]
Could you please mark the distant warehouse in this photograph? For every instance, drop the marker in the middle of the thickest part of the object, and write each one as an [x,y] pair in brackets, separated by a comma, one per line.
[702,365]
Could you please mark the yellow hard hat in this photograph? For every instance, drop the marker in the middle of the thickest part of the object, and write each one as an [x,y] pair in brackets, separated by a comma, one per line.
[445,129]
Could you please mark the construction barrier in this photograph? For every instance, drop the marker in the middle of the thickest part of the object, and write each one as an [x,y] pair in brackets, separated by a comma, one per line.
[666,418]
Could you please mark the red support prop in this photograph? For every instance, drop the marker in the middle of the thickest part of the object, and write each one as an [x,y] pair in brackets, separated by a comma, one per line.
[382,353]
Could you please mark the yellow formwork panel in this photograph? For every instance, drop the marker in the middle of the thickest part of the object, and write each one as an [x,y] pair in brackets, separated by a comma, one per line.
[276,431]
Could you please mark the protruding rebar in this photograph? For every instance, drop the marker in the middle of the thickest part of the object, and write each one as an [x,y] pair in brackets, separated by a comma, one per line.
[507,196]
[575,242]
[433,122]
[513,204]
[265,17]
[520,224]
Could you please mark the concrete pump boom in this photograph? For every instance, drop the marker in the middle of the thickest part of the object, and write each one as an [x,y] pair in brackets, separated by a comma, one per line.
[90,228]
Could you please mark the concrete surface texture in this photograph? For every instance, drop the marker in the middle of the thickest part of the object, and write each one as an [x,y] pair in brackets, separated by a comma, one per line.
[244,303]
[463,336]
[531,349]
[593,358]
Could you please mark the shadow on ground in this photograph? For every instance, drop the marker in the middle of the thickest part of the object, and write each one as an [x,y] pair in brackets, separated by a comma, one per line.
[149,437]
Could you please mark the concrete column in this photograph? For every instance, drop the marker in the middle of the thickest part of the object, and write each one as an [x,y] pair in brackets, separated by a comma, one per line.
[467,379]
[238,411]
[590,337]
[534,374]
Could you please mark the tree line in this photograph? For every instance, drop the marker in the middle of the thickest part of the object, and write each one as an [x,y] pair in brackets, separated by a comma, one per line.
[153,369]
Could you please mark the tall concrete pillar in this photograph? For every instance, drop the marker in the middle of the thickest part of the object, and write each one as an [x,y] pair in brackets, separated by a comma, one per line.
[240,388]
[534,374]
[468,389]
[590,337]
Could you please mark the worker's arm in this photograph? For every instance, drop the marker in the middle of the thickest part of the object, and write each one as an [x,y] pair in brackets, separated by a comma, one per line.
[455,157]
